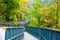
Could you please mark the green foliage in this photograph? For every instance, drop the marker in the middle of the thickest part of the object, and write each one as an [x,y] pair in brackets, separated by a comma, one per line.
[15,10]
[44,16]
[9,10]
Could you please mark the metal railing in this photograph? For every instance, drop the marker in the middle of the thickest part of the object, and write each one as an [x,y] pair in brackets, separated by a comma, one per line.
[17,33]
[14,33]
[43,33]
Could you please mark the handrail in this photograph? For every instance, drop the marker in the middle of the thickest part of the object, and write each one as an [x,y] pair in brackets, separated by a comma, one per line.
[13,27]
[46,28]
[16,36]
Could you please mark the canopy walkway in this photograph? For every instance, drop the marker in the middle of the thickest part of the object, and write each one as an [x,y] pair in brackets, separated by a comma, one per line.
[18,34]
[31,33]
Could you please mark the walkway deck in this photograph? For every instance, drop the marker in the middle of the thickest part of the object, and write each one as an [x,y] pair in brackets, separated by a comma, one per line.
[28,36]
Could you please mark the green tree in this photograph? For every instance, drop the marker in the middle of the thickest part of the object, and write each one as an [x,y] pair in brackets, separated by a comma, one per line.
[9,10]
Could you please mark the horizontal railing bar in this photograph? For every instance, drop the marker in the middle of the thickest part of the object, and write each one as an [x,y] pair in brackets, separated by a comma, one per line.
[15,36]
[13,27]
